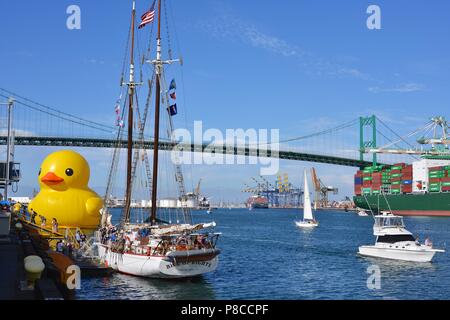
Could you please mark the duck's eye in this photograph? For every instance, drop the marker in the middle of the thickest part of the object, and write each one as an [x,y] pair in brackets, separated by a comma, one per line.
[39,172]
[69,172]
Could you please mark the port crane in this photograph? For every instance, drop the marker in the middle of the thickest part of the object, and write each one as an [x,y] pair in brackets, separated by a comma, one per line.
[434,133]
[286,196]
[321,191]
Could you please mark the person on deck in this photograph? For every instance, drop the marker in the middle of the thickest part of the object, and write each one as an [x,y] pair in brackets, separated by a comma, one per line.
[33,216]
[54,225]
[428,242]
[82,238]
[43,221]
[60,246]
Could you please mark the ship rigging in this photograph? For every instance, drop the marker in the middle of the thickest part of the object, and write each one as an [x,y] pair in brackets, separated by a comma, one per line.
[151,246]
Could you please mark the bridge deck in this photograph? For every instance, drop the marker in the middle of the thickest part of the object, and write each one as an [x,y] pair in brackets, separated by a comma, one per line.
[205,148]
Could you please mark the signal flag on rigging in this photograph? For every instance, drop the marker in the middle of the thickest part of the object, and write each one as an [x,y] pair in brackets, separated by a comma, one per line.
[148,16]
[173,109]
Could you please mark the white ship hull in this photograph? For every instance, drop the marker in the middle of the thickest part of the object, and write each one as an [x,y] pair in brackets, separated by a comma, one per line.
[305,224]
[154,266]
[416,255]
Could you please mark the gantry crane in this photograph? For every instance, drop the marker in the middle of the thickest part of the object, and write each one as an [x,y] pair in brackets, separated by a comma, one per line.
[321,191]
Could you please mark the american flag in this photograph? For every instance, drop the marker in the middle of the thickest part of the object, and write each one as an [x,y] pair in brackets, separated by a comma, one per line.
[148,16]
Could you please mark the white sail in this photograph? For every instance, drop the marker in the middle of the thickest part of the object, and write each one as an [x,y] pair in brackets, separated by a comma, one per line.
[307,211]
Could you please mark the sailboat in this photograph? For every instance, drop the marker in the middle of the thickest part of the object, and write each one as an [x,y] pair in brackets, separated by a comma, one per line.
[153,247]
[308,218]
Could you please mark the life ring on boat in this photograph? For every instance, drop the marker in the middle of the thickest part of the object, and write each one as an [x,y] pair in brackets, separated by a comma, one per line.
[181,247]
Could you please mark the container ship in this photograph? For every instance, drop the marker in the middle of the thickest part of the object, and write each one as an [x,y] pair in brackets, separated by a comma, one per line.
[258,202]
[418,189]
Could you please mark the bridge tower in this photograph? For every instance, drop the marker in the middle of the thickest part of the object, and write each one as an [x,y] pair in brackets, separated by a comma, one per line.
[363,143]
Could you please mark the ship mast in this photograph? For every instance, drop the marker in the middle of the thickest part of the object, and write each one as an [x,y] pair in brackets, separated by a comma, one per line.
[158,67]
[131,87]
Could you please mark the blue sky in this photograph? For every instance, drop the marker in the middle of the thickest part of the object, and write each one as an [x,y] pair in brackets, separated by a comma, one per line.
[298,66]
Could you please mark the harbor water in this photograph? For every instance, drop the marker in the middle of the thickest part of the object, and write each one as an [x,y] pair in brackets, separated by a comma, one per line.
[265,256]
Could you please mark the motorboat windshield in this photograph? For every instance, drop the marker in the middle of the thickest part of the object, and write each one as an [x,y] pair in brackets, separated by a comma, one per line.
[389,221]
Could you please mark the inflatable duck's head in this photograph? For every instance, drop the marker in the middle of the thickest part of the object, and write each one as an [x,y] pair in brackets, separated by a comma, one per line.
[64,169]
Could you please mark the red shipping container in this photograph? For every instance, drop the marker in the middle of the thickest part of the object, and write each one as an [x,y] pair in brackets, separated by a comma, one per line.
[435,180]
[445,189]
[376,174]
[400,164]
[396,171]
[359,173]
[439,168]
[395,186]
[445,179]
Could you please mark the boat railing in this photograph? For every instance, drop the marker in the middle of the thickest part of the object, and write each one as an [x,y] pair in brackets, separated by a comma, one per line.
[186,243]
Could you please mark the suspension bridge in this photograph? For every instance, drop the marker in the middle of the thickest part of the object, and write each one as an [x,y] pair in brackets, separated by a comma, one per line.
[347,144]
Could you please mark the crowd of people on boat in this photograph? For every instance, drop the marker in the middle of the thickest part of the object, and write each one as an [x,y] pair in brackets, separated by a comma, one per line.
[139,241]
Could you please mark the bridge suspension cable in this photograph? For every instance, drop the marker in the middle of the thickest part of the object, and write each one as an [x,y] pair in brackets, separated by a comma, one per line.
[56,113]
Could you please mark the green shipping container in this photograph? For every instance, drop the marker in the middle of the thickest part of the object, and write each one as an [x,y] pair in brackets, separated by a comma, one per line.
[396,175]
[396,182]
[435,185]
[396,168]
[394,191]
[446,184]
[435,189]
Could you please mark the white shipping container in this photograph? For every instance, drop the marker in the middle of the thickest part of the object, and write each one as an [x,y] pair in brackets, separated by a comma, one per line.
[420,172]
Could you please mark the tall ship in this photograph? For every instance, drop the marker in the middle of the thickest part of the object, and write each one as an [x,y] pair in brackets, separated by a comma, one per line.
[151,241]
[421,188]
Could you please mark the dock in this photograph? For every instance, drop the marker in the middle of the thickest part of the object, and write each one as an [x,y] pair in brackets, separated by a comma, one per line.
[19,244]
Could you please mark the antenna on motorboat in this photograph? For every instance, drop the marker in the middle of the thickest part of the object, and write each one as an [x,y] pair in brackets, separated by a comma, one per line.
[370,208]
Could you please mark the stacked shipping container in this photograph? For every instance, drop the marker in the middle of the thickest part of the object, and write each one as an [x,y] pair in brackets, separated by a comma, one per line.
[439,179]
[396,179]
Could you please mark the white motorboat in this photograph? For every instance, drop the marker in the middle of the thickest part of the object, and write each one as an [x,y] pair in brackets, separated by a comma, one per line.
[362,213]
[394,241]
[308,218]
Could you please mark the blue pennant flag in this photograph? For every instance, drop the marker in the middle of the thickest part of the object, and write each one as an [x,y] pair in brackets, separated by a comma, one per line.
[173,110]
[173,85]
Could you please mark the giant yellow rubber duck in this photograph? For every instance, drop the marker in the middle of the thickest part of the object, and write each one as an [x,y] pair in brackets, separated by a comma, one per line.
[64,193]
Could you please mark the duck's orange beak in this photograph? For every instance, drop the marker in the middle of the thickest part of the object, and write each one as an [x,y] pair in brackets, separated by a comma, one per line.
[51,179]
